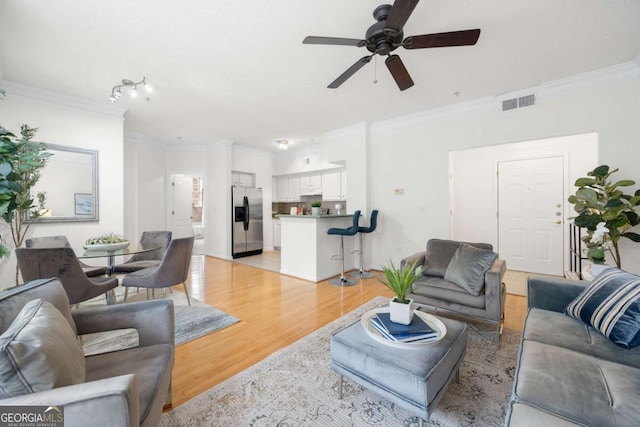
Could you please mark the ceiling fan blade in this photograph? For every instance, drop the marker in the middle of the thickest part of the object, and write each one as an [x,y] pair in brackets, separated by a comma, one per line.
[453,38]
[350,72]
[399,72]
[399,14]
[334,41]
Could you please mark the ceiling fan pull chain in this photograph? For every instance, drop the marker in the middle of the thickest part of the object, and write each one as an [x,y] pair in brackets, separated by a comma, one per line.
[375,70]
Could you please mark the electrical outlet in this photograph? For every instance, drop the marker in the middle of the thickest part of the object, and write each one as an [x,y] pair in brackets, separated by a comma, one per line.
[399,191]
[422,209]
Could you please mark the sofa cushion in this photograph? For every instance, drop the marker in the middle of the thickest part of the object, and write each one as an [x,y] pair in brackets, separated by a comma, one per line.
[588,390]
[611,304]
[468,266]
[39,351]
[439,253]
[551,327]
[435,287]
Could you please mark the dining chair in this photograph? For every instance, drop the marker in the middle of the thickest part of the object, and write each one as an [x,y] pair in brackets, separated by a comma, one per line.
[173,270]
[149,239]
[61,262]
[63,242]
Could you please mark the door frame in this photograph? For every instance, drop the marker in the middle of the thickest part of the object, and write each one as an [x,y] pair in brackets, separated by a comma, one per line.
[566,206]
[169,195]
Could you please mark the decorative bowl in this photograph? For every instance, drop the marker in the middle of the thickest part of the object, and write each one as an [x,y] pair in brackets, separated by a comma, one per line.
[106,246]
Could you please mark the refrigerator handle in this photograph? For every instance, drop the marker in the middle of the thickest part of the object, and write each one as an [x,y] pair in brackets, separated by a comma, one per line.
[245,202]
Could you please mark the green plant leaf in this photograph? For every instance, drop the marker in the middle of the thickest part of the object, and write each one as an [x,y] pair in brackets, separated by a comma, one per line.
[633,236]
[587,194]
[624,183]
[613,203]
[601,171]
[583,182]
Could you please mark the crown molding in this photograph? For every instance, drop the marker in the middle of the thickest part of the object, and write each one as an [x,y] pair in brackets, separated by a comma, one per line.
[18,89]
[190,148]
[136,136]
[627,70]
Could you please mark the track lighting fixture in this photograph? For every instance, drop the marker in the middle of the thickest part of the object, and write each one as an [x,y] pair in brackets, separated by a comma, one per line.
[132,88]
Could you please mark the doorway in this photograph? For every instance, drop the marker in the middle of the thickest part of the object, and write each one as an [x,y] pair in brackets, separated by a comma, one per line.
[186,210]
[530,214]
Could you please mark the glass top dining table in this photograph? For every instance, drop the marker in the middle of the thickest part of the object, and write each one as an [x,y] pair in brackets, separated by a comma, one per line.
[133,248]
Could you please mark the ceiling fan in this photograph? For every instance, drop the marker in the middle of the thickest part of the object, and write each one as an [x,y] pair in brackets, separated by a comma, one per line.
[386,35]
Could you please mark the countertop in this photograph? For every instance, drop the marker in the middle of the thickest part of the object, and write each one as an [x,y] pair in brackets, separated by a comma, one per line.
[315,216]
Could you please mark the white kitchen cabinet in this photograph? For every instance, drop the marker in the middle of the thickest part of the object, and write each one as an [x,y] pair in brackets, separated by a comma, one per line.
[334,185]
[274,190]
[311,183]
[243,179]
[288,188]
[294,188]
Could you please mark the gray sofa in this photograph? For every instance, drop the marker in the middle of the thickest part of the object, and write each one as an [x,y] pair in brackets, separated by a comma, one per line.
[568,373]
[41,362]
[434,291]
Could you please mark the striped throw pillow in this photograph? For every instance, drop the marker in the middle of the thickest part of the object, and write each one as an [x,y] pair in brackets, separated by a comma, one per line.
[611,304]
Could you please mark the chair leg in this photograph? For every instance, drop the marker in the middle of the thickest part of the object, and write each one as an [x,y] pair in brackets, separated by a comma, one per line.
[342,281]
[110,295]
[168,402]
[362,273]
[340,386]
[126,293]
[184,284]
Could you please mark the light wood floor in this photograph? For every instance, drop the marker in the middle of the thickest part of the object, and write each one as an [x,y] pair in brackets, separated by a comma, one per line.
[274,311]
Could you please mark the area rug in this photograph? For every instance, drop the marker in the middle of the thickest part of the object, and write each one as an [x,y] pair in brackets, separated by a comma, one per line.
[296,387]
[191,322]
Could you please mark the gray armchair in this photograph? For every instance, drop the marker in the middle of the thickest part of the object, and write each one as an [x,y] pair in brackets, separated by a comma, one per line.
[149,239]
[173,269]
[432,289]
[121,388]
[63,242]
[41,263]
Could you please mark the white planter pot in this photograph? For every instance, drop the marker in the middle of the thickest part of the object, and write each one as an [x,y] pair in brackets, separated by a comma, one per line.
[401,313]
[315,211]
[598,268]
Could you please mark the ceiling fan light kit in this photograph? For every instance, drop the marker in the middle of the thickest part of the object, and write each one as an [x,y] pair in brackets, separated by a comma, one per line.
[386,35]
[131,87]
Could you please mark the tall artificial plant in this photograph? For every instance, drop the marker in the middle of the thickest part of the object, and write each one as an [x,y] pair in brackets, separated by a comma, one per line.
[21,163]
[606,212]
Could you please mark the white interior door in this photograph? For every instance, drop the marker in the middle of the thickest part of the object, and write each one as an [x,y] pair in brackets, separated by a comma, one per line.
[530,214]
[181,209]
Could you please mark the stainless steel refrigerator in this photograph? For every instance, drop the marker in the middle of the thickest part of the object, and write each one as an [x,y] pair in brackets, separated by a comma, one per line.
[246,227]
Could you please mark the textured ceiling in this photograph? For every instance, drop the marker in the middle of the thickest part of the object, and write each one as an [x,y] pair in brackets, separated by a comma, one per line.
[237,69]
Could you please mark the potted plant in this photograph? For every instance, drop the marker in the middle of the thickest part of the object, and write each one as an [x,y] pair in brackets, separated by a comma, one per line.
[399,281]
[606,212]
[315,208]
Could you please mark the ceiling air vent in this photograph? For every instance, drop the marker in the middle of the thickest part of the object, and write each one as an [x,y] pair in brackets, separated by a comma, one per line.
[525,101]
[514,103]
[510,104]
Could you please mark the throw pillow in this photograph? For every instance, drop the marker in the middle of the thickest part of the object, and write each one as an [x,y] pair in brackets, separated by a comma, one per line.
[468,266]
[611,304]
[39,351]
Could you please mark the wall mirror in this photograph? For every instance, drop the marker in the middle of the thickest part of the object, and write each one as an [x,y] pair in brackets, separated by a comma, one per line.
[70,181]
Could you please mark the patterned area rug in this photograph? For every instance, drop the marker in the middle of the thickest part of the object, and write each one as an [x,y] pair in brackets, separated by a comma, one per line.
[191,321]
[296,387]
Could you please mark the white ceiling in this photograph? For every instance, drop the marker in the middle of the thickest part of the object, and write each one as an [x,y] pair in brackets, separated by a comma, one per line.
[237,69]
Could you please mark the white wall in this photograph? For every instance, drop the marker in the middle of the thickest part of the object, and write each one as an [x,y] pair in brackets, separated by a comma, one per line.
[412,153]
[145,185]
[67,121]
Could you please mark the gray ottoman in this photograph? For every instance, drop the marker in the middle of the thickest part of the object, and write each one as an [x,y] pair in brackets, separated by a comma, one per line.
[413,378]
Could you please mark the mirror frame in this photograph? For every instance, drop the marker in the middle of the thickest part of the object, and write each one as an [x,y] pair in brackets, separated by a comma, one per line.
[94,170]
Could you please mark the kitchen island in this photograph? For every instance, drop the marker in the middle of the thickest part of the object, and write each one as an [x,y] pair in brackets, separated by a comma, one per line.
[306,250]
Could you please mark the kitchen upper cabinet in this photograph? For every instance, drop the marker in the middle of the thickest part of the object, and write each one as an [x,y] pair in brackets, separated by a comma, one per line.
[274,190]
[334,184]
[243,179]
[288,188]
[311,183]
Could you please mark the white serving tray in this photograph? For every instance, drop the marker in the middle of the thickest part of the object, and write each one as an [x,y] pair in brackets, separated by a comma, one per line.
[106,246]
[431,320]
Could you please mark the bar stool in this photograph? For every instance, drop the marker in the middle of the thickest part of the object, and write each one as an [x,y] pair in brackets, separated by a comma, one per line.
[373,221]
[351,231]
